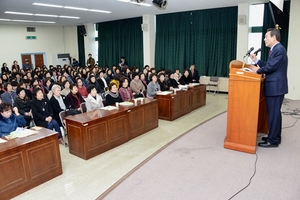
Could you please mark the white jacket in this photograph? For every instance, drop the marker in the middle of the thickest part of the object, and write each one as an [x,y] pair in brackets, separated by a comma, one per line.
[92,104]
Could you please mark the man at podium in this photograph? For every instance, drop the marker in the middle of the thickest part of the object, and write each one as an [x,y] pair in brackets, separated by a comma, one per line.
[276,85]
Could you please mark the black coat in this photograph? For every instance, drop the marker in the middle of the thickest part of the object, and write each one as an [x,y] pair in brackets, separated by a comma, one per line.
[185,80]
[40,111]
[23,106]
[56,108]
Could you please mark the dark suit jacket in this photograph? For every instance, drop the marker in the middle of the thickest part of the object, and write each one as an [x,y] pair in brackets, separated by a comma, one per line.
[39,115]
[101,84]
[194,76]
[275,68]
[56,108]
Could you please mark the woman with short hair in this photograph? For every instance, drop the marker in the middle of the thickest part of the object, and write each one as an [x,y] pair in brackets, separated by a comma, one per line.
[9,121]
[43,113]
[23,103]
[113,95]
[93,101]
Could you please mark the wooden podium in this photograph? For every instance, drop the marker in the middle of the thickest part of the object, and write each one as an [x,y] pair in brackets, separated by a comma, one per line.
[247,112]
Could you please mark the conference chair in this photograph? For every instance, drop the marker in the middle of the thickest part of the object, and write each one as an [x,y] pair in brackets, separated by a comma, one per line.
[213,82]
[83,107]
[62,116]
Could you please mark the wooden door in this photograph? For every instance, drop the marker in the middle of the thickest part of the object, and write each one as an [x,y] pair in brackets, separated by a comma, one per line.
[39,60]
[26,57]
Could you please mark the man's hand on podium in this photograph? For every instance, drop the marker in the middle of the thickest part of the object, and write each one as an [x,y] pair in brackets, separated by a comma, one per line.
[254,68]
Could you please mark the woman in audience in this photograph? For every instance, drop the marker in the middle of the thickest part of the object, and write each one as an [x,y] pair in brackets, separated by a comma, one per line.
[102,81]
[109,75]
[185,79]
[66,88]
[75,98]
[9,121]
[137,86]
[43,113]
[81,88]
[113,95]
[23,103]
[15,66]
[94,100]
[125,91]
[172,82]
[177,75]
[143,79]
[47,85]
[162,83]
[92,80]
[4,68]
[153,87]
[58,103]
[10,95]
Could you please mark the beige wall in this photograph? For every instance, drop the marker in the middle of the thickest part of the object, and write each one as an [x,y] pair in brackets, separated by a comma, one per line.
[293,51]
[50,40]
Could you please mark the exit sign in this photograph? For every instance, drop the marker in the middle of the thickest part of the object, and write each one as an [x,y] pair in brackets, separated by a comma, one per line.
[30,37]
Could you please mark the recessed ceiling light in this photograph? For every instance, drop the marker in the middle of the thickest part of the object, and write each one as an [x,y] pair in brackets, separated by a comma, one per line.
[5,20]
[43,15]
[133,2]
[17,13]
[19,20]
[71,17]
[46,22]
[75,8]
[47,5]
[102,11]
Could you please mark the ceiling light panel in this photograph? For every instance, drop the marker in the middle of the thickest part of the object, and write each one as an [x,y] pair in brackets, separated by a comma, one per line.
[17,13]
[47,5]
[75,8]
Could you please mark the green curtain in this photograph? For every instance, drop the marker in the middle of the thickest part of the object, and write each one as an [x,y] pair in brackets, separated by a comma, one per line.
[120,38]
[206,38]
[80,42]
[268,23]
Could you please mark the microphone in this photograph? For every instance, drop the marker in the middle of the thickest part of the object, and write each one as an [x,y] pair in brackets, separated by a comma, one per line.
[249,51]
[258,50]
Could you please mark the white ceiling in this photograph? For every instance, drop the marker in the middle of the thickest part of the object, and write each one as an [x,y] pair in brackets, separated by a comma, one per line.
[120,10]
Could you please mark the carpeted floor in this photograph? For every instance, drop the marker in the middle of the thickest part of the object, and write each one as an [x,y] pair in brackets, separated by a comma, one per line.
[196,166]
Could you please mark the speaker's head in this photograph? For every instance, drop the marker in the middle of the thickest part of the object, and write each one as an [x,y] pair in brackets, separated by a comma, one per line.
[160,4]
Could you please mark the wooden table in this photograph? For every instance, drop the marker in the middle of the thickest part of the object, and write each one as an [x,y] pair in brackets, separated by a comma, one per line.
[175,105]
[28,162]
[95,132]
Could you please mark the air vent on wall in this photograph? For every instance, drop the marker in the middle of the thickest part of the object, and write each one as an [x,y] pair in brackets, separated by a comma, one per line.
[30,29]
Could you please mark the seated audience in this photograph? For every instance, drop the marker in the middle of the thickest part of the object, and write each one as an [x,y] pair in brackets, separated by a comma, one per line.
[113,95]
[43,113]
[153,87]
[8,96]
[66,87]
[185,79]
[162,83]
[10,121]
[81,88]
[137,86]
[58,103]
[102,81]
[93,101]
[92,80]
[125,91]
[23,103]
[172,82]
[75,98]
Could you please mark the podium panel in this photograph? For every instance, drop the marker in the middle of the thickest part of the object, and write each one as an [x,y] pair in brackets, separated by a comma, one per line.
[247,112]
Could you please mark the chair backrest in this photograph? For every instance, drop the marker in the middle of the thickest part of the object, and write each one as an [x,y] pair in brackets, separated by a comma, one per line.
[62,116]
[83,107]
[214,79]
